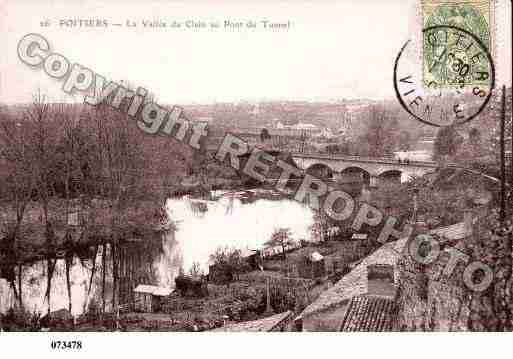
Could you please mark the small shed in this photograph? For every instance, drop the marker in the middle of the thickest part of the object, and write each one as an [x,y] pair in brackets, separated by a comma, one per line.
[312,266]
[148,298]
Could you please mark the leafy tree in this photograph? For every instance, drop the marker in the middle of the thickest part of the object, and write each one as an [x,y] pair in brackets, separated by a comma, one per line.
[229,260]
[447,142]
[474,136]
[264,135]
[475,143]
[280,237]
[380,132]
[472,152]
[405,141]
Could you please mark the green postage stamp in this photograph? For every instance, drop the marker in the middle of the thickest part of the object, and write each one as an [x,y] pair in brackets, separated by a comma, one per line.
[457,36]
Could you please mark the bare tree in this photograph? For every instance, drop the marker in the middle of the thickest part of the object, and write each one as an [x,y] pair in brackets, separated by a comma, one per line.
[280,237]
[44,131]
[229,261]
[195,270]
[319,228]
[380,131]
[121,169]
[18,183]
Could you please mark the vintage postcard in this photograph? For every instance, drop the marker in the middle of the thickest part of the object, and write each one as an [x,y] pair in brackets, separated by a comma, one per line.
[221,166]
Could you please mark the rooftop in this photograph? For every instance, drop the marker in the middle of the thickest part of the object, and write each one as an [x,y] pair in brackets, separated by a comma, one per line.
[369,314]
[153,290]
[260,325]
[355,283]
[451,233]
[140,221]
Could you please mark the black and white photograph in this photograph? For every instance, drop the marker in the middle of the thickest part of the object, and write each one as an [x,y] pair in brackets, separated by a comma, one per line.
[253,166]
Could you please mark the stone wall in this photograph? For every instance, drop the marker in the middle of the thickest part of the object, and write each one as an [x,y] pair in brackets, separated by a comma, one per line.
[428,300]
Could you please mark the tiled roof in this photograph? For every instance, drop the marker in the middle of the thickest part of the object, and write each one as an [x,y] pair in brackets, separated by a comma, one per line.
[261,325]
[355,282]
[451,233]
[369,314]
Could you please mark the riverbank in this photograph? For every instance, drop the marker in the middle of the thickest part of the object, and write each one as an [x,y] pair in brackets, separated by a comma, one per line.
[243,299]
[74,228]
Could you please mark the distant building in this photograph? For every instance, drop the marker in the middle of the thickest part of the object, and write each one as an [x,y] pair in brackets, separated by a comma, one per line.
[311,266]
[296,130]
[325,132]
[304,126]
[418,155]
[203,119]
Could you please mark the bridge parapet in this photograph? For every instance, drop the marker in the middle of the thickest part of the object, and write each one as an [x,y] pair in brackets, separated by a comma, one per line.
[386,160]
[374,167]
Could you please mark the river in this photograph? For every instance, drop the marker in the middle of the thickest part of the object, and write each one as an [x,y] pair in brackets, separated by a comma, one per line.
[238,220]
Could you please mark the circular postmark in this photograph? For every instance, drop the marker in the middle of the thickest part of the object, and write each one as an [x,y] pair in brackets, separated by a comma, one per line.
[446,80]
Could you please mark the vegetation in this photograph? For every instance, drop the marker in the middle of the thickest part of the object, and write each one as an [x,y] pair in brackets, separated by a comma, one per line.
[16,319]
[280,237]
[195,271]
[72,174]
[264,135]
[447,142]
[229,262]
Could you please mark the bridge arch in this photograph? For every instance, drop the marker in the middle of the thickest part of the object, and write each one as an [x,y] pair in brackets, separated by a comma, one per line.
[355,174]
[320,170]
[391,176]
[370,168]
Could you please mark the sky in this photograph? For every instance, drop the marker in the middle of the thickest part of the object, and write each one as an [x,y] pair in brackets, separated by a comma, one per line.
[332,49]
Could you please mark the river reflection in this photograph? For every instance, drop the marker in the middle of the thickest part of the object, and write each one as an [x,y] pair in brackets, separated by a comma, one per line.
[201,226]
[233,221]
[34,286]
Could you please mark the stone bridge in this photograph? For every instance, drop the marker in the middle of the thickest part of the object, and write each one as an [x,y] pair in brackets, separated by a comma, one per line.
[371,170]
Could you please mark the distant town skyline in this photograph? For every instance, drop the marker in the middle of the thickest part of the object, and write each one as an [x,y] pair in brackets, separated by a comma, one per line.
[332,51]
